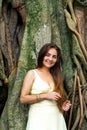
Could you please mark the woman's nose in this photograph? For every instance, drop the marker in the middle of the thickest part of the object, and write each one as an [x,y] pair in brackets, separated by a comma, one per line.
[51,58]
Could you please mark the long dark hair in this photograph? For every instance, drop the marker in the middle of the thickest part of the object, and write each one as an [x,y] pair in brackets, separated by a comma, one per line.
[55,70]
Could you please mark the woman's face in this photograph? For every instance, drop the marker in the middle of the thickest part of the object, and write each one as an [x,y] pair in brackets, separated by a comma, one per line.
[50,58]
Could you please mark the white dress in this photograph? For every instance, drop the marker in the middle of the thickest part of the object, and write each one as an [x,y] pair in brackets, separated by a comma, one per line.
[45,114]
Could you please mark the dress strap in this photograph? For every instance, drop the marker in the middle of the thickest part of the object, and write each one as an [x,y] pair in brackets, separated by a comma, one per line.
[35,72]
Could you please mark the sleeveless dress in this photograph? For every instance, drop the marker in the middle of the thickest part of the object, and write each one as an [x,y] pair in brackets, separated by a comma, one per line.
[45,114]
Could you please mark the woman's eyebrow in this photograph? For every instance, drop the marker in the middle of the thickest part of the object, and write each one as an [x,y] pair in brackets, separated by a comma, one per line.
[50,54]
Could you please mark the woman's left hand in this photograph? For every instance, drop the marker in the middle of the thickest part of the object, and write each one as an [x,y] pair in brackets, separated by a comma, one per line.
[66,105]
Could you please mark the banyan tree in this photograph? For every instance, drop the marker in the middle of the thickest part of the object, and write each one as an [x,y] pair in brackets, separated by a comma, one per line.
[25,25]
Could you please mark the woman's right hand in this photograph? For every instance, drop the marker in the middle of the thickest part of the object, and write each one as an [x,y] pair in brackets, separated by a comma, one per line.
[53,96]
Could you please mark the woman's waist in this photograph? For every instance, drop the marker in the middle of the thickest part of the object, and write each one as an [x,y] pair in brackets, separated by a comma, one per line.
[42,107]
[44,103]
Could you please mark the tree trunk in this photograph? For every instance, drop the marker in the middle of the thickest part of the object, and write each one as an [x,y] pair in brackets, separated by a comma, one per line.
[26,25]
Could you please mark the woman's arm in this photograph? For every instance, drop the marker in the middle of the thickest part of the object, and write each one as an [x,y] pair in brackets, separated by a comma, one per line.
[26,97]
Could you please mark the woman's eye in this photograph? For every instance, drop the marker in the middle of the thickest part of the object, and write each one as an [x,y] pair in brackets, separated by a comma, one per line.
[55,57]
[47,54]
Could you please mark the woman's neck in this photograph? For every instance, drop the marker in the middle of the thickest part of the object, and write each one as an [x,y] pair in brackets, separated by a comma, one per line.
[44,69]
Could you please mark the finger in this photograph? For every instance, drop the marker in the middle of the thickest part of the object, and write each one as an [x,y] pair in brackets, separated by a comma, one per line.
[58,95]
[67,101]
[66,109]
[68,104]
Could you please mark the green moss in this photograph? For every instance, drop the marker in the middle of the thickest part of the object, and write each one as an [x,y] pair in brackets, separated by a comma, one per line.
[65,37]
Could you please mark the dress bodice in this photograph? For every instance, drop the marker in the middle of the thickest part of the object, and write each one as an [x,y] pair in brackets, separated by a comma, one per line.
[40,86]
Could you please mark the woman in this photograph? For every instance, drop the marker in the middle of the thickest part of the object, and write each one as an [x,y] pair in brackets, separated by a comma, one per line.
[43,90]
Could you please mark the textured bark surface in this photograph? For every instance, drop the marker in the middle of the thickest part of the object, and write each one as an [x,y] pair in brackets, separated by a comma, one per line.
[25,25]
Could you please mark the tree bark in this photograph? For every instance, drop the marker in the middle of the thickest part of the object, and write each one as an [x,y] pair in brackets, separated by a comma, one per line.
[25,26]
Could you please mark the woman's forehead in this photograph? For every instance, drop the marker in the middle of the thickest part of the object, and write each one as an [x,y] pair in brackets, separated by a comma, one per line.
[53,51]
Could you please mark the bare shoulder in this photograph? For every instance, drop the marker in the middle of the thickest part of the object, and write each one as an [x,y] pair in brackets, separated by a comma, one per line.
[30,74]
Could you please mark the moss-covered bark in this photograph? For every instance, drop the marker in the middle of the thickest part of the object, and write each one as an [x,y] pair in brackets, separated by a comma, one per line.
[46,21]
